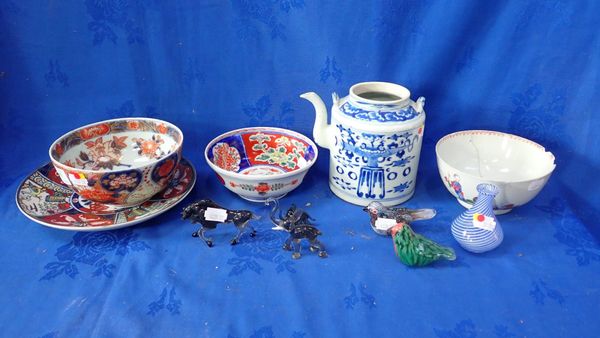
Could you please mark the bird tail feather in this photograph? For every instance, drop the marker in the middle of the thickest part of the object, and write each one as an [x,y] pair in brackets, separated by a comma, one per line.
[421,214]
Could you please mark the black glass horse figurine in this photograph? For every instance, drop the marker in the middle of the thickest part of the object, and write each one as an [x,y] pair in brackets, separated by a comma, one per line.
[209,214]
[298,223]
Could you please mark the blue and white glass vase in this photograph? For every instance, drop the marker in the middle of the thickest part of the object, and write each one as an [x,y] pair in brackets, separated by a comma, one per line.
[477,229]
[374,142]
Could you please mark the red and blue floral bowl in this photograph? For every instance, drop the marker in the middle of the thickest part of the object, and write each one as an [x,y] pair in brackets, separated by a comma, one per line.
[121,162]
[261,163]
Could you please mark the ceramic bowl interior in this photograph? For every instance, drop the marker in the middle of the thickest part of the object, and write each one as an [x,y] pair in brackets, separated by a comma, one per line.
[495,156]
[259,152]
[121,144]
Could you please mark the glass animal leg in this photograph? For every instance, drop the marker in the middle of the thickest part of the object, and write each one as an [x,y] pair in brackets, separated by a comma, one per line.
[315,245]
[288,244]
[253,232]
[296,253]
[240,229]
[200,233]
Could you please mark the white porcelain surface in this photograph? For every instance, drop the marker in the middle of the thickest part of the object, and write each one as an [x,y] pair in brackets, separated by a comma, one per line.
[518,166]
[374,140]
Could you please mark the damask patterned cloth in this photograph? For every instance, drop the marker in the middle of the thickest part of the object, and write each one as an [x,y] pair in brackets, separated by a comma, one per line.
[529,68]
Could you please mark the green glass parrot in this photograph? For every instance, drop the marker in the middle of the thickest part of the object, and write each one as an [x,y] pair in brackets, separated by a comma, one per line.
[416,250]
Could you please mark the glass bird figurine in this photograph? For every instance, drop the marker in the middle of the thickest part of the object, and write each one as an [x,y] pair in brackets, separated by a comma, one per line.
[384,218]
[416,250]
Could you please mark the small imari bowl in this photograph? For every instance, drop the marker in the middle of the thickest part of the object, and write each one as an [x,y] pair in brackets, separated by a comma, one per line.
[517,166]
[121,162]
[261,163]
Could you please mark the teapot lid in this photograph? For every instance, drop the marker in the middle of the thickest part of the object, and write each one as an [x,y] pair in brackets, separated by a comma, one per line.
[382,103]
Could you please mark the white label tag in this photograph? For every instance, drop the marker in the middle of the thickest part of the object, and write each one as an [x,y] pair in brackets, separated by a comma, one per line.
[78,179]
[215,215]
[484,222]
[63,175]
[384,223]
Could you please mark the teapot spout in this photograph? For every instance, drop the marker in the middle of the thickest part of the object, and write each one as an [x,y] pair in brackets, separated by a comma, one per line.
[321,128]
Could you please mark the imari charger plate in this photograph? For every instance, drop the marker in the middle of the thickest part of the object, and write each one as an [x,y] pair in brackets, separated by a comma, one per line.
[44,199]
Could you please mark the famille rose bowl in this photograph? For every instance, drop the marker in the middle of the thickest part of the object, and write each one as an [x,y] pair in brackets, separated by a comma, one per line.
[121,162]
[517,166]
[261,163]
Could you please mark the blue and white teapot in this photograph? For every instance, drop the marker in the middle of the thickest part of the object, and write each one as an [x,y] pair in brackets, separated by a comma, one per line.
[374,140]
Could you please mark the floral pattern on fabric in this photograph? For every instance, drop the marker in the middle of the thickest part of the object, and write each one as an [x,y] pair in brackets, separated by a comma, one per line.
[93,250]
[265,247]
[570,231]
[366,298]
[171,303]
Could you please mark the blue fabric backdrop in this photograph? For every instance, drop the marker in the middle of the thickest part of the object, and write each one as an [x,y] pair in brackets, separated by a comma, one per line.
[526,67]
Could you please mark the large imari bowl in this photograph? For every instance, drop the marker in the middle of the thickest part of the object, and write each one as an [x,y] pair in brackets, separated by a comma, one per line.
[516,165]
[122,162]
[260,163]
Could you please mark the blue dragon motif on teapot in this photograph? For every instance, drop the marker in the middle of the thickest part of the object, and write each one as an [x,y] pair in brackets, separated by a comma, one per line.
[380,115]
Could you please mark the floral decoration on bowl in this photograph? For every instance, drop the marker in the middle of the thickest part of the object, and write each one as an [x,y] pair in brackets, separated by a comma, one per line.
[261,162]
[122,161]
